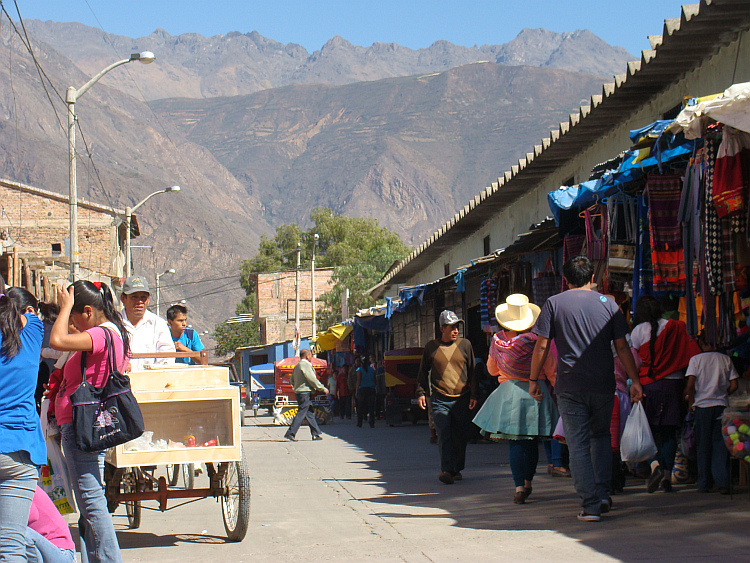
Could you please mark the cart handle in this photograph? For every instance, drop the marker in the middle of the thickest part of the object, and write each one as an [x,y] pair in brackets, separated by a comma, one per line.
[201,356]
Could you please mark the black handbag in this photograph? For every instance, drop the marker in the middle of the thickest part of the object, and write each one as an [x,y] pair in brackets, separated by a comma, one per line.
[107,416]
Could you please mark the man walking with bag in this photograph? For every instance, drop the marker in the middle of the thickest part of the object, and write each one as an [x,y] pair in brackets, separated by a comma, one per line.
[305,382]
[583,324]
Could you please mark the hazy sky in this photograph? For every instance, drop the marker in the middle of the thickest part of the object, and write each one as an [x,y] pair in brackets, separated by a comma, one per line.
[411,23]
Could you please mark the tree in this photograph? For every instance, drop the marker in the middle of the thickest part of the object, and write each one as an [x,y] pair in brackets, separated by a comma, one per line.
[359,250]
[230,336]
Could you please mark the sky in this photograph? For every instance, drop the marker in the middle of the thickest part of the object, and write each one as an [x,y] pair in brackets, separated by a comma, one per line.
[410,23]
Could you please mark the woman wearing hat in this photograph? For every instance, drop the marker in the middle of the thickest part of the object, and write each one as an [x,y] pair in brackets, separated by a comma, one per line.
[510,413]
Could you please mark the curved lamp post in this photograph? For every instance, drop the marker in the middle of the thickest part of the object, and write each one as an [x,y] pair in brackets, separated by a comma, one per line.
[129,218]
[71,98]
[158,295]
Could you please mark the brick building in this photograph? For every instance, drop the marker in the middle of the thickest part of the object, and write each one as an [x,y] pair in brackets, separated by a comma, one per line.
[35,232]
[276,303]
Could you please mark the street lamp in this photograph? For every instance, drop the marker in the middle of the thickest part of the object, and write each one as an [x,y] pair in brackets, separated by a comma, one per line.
[316,238]
[71,98]
[158,295]
[129,218]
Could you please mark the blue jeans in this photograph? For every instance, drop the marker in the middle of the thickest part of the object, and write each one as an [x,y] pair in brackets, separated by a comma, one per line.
[586,418]
[524,456]
[95,527]
[452,419]
[555,452]
[40,550]
[712,453]
[18,477]
[303,412]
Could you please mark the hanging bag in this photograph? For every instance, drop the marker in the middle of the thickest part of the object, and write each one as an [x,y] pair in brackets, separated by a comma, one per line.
[107,416]
[546,284]
[637,443]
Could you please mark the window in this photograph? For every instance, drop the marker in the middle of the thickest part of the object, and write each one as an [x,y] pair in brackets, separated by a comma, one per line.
[56,249]
[447,269]
[486,243]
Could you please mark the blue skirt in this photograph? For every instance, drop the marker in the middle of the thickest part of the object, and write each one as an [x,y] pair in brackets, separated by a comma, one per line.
[510,413]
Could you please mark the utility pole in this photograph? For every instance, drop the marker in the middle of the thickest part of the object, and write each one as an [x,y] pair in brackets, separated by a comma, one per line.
[316,236]
[297,335]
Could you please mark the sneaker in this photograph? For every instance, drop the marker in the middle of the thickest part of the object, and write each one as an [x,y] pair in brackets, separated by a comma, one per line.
[457,476]
[446,477]
[606,505]
[589,517]
[657,476]
[317,437]
[290,437]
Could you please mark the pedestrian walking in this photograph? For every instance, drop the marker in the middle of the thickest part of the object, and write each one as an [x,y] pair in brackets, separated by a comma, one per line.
[304,383]
[583,324]
[447,373]
[366,393]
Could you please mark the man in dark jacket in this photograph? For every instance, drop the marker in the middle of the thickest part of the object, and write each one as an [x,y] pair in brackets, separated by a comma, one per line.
[447,372]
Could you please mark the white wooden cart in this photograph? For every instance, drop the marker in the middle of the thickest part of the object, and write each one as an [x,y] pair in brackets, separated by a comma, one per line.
[193,414]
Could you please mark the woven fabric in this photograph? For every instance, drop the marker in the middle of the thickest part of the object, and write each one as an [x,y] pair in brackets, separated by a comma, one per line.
[711,223]
[664,193]
[513,357]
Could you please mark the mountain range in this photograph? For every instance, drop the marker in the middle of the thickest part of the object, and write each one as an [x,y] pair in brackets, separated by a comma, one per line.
[257,133]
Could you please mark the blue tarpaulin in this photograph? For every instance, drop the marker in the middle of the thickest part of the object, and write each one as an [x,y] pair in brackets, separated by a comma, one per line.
[666,147]
[409,294]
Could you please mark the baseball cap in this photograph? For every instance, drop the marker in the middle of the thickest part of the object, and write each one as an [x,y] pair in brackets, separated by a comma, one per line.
[449,318]
[134,284]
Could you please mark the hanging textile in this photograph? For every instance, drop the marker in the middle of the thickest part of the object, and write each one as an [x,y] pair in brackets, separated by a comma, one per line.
[711,222]
[622,226]
[689,217]
[664,194]
[487,304]
[595,221]
[731,173]
[572,246]
[642,272]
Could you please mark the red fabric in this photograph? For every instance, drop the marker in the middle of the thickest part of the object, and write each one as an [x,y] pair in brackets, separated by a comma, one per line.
[614,426]
[342,386]
[673,349]
[54,386]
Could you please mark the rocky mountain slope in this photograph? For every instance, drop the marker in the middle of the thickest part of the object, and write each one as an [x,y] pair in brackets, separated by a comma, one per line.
[193,66]
[257,133]
[407,151]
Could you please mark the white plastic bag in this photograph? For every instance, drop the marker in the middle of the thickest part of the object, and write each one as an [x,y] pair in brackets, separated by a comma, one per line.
[637,442]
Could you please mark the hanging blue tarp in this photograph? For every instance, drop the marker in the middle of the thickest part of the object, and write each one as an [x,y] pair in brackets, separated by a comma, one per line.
[408,294]
[665,148]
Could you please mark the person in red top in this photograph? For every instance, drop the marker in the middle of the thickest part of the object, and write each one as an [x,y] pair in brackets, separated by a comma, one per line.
[664,348]
[343,393]
[48,537]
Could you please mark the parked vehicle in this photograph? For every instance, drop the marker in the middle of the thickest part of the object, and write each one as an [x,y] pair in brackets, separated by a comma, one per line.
[401,370]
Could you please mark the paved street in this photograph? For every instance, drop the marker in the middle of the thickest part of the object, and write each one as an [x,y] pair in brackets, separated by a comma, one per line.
[373,495]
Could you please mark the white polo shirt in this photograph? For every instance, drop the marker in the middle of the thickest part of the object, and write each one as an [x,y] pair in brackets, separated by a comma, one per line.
[151,334]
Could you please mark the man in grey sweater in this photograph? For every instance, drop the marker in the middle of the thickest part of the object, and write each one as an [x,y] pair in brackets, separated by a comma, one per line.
[305,382]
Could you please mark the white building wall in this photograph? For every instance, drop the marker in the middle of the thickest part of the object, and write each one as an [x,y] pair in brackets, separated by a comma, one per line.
[713,76]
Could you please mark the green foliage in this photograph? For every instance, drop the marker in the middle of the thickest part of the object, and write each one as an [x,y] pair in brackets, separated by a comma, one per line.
[359,250]
[229,337]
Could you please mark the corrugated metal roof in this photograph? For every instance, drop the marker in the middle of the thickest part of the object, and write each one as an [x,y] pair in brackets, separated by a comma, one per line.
[696,35]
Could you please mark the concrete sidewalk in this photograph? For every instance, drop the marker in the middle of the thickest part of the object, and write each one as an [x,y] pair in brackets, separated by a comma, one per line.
[373,494]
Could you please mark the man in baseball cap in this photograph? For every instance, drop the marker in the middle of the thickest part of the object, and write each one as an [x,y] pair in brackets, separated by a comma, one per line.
[447,374]
[148,333]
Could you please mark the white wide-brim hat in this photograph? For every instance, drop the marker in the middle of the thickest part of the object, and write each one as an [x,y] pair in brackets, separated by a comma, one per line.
[517,313]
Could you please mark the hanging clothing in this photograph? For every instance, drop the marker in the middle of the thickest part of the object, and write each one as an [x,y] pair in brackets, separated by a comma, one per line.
[689,217]
[595,222]
[664,195]
[711,223]
[642,271]
[732,173]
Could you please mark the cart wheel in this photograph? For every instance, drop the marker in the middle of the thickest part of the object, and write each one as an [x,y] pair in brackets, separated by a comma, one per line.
[132,508]
[235,504]
[173,473]
[188,475]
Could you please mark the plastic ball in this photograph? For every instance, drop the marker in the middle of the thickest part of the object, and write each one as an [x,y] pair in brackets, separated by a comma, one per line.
[735,437]
[739,446]
[747,458]
[744,428]
[731,429]
[729,442]
[738,422]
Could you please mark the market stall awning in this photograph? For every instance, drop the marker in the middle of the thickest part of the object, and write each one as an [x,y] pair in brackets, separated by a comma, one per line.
[329,339]
[731,108]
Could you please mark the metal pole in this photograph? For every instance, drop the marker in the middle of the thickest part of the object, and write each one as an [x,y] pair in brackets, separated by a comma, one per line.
[297,336]
[157,294]
[128,221]
[72,185]
[312,287]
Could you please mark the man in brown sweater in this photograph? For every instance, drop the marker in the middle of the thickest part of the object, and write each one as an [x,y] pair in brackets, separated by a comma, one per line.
[447,373]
